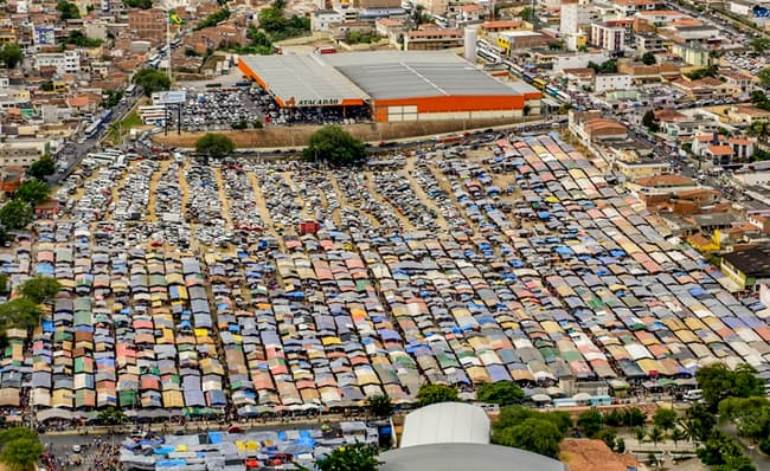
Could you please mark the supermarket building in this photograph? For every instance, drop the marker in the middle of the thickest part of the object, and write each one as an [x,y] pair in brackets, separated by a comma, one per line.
[395,85]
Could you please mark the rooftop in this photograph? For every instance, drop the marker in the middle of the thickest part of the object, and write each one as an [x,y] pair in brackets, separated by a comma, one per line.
[465,456]
[754,262]
[390,74]
[302,78]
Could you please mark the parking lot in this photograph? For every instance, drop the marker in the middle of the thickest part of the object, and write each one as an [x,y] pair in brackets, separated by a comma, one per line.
[251,286]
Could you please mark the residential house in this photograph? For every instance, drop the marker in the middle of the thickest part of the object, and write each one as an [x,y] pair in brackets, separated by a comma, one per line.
[723,150]
[747,115]
[662,185]
[323,20]
[747,268]
[433,38]
[578,79]
[592,127]
[609,82]
[675,124]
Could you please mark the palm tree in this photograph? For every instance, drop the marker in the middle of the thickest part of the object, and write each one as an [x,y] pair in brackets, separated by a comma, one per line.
[655,436]
[641,433]
[678,435]
[688,428]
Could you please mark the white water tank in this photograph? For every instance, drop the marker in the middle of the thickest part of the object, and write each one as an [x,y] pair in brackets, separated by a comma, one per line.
[471,36]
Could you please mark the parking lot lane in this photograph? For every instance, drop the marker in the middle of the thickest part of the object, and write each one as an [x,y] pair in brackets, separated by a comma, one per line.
[153,201]
[225,203]
[371,186]
[264,212]
[408,173]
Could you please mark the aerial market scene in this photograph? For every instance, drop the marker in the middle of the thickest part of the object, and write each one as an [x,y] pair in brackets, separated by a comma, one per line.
[384,235]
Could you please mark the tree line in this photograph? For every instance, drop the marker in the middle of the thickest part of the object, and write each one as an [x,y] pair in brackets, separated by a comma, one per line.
[17,213]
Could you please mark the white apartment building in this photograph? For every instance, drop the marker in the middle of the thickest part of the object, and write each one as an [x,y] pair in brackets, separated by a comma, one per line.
[609,38]
[67,62]
[572,15]
[611,82]
[323,20]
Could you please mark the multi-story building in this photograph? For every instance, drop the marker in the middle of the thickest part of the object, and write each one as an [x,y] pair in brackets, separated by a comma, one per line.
[609,82]
[13,97]
[648,42]
[609,38]
[431,39]
[148,24]
[323,20]
[44,35]
[67,62]
[7,34]
[513,40]
[573,15]
[22,152]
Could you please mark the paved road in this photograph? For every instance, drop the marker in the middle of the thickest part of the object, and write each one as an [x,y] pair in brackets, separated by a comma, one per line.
[73,152]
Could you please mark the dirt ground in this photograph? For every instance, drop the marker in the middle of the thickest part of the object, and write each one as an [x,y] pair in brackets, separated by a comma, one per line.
[296,136]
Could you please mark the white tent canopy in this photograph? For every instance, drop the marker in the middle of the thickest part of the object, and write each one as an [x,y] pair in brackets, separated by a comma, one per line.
[446,422]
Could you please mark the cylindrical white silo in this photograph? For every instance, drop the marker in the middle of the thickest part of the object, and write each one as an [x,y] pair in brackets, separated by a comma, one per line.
[471,36]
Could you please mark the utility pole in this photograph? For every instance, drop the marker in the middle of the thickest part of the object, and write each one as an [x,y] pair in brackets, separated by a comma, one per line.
[168,46]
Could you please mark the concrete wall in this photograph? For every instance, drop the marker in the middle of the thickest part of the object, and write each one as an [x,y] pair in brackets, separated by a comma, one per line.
[374,132]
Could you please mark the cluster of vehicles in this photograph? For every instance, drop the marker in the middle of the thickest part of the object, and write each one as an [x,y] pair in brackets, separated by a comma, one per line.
[218,109]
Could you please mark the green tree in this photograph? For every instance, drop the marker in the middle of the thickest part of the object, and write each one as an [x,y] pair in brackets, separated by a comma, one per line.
[33,191]
[79,39]
[648,58]
[760,45]
[335,146]
[510,416]
[21,453]
[42,167]
[503,393]
[214,19]
[608,436]
[764,77]
[718,382]
[750,415]
[68,11]
[16,214]
[19,313]
[435,393]
[613,418]
[358,457]
[710,71]
[606,67]
[723,453]
[678,435]
[534,434]
[40,289]
[590,422]
[15,433]
[665,419]
[152,80]
[142,4]
[650,121]
[11,55]
[380,405]
[112,416]
[640,433]
[113,98]
[273,21]
[528,14]
[633,417]
[214,146]
[698,423]
[3,284]
[655,436]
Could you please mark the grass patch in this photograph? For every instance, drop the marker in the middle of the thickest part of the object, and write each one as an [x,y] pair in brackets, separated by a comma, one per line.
[119,129]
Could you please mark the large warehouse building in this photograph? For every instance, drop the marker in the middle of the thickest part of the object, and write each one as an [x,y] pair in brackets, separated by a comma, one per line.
[397,86]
